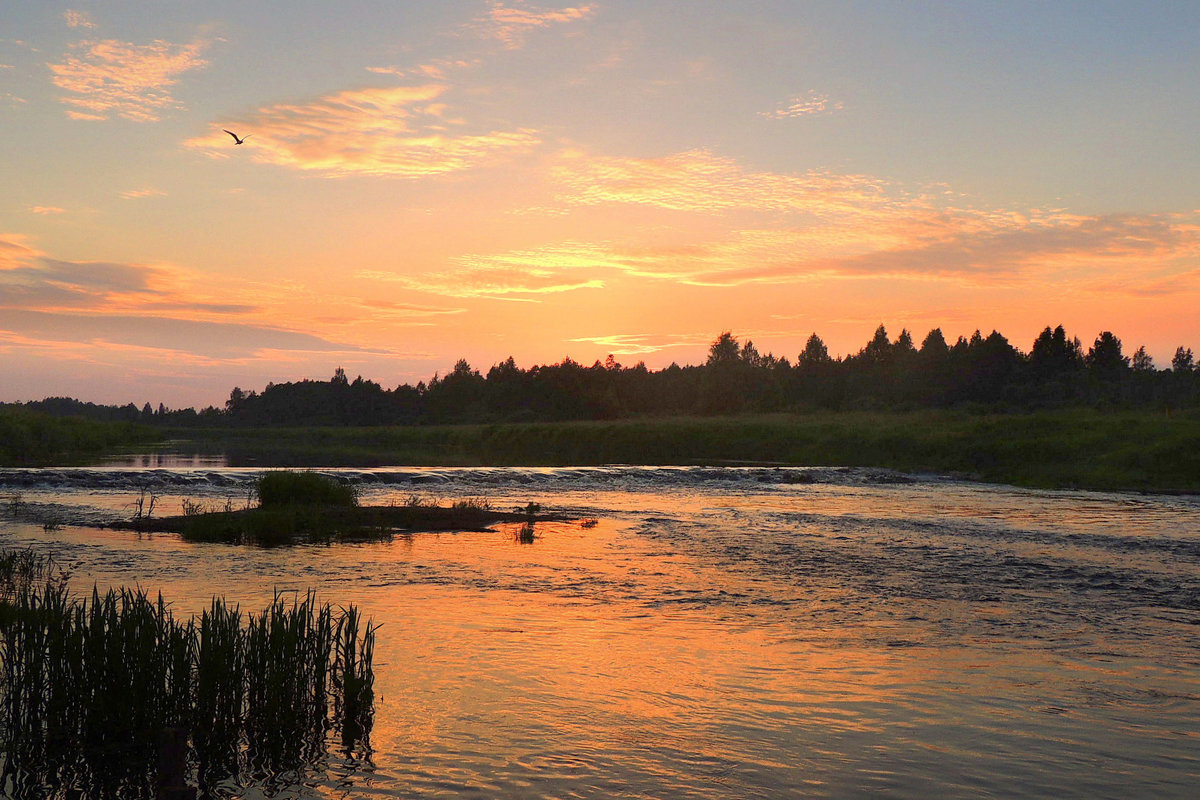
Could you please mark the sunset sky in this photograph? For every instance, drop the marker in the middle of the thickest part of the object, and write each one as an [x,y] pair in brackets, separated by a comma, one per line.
[427,181]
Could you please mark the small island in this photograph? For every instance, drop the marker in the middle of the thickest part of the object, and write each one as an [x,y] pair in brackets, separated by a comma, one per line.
[307,507]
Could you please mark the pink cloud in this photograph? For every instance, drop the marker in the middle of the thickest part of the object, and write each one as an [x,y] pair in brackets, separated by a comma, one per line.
[393,131]
[808,105]
[512,23]
[137,194]
[131,81]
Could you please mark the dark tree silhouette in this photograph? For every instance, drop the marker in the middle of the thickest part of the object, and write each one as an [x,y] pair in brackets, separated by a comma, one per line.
[1183,361]
[1105,358]
[1142,361]
[724,349]
[985,371]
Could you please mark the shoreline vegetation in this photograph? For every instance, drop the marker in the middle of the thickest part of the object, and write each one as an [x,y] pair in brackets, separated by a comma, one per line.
[1136,450]
[38,439]
[307,507]
[1130,450]
[1140,450]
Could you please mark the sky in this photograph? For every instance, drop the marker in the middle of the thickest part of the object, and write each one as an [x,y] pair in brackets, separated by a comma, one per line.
[423,182]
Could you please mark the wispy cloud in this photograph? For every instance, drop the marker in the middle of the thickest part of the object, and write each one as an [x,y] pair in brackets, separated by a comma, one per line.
[198,338]
[436,70]
[991,250]
[78,19]
[806,105]
[47,210]
[698,180]
[137,194]
[632,344]
[394,131]
[110,77]
[387,309]
[71,307]
[512,276]
[31,279]
[511,23]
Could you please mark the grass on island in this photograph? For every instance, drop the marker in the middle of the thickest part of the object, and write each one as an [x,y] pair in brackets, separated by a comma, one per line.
[1137,450]
[89,687]
[311,507]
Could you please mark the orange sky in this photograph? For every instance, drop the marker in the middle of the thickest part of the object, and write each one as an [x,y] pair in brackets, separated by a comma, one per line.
[482,179]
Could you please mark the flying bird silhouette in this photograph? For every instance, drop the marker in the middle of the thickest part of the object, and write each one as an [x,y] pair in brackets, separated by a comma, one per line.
[236,138]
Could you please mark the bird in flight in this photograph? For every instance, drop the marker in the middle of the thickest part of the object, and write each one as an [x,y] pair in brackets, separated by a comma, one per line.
[236,138]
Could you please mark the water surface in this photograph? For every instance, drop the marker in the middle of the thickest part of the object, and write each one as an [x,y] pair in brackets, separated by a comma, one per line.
[739,632]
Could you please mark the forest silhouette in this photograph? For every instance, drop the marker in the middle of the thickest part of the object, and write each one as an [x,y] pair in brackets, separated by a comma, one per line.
[886,374]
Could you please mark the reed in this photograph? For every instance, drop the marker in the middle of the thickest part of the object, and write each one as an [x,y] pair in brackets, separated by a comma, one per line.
[354,677]
[87,686]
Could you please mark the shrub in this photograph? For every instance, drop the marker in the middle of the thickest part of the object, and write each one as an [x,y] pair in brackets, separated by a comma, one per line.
[286,488]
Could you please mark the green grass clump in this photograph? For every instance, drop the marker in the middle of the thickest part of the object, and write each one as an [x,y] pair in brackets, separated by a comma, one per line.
[287,488]
[87,687]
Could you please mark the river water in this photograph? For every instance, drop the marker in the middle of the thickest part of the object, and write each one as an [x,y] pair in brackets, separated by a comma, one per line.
[718,633]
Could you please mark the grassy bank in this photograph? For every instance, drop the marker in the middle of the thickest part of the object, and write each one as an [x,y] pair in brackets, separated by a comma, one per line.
[1133,450]
[30,439]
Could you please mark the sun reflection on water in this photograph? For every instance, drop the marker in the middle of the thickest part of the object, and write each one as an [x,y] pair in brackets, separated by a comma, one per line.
[724,640]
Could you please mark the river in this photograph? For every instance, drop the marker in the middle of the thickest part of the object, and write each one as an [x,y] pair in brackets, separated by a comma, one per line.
[717,632]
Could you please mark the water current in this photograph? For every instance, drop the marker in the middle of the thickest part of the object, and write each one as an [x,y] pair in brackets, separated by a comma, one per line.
[717,633]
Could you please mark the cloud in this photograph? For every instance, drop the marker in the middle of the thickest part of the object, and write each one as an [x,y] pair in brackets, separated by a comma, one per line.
[698,180]
[30,279]
[807,105]
[46,302]
[389,309]
[982,250]
[435,70]
[131,81]
[211,339]
[773,228]
[495,277]
[1054,242]
[512,23]
[395,131]
[628,344]
[47,210]
[78,19]
[136,194]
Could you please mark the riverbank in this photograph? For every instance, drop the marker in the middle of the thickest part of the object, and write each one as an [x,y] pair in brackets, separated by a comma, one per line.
[1076,448]
[29,439]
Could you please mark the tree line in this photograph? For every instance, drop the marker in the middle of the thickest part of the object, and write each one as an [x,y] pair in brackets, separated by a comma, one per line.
[886,374]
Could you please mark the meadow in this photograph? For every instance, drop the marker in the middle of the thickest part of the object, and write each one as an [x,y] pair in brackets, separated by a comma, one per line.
[1137,450]
[35,439]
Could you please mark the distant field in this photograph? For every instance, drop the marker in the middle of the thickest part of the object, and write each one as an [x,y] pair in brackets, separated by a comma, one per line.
[1134,450]
[32,439]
